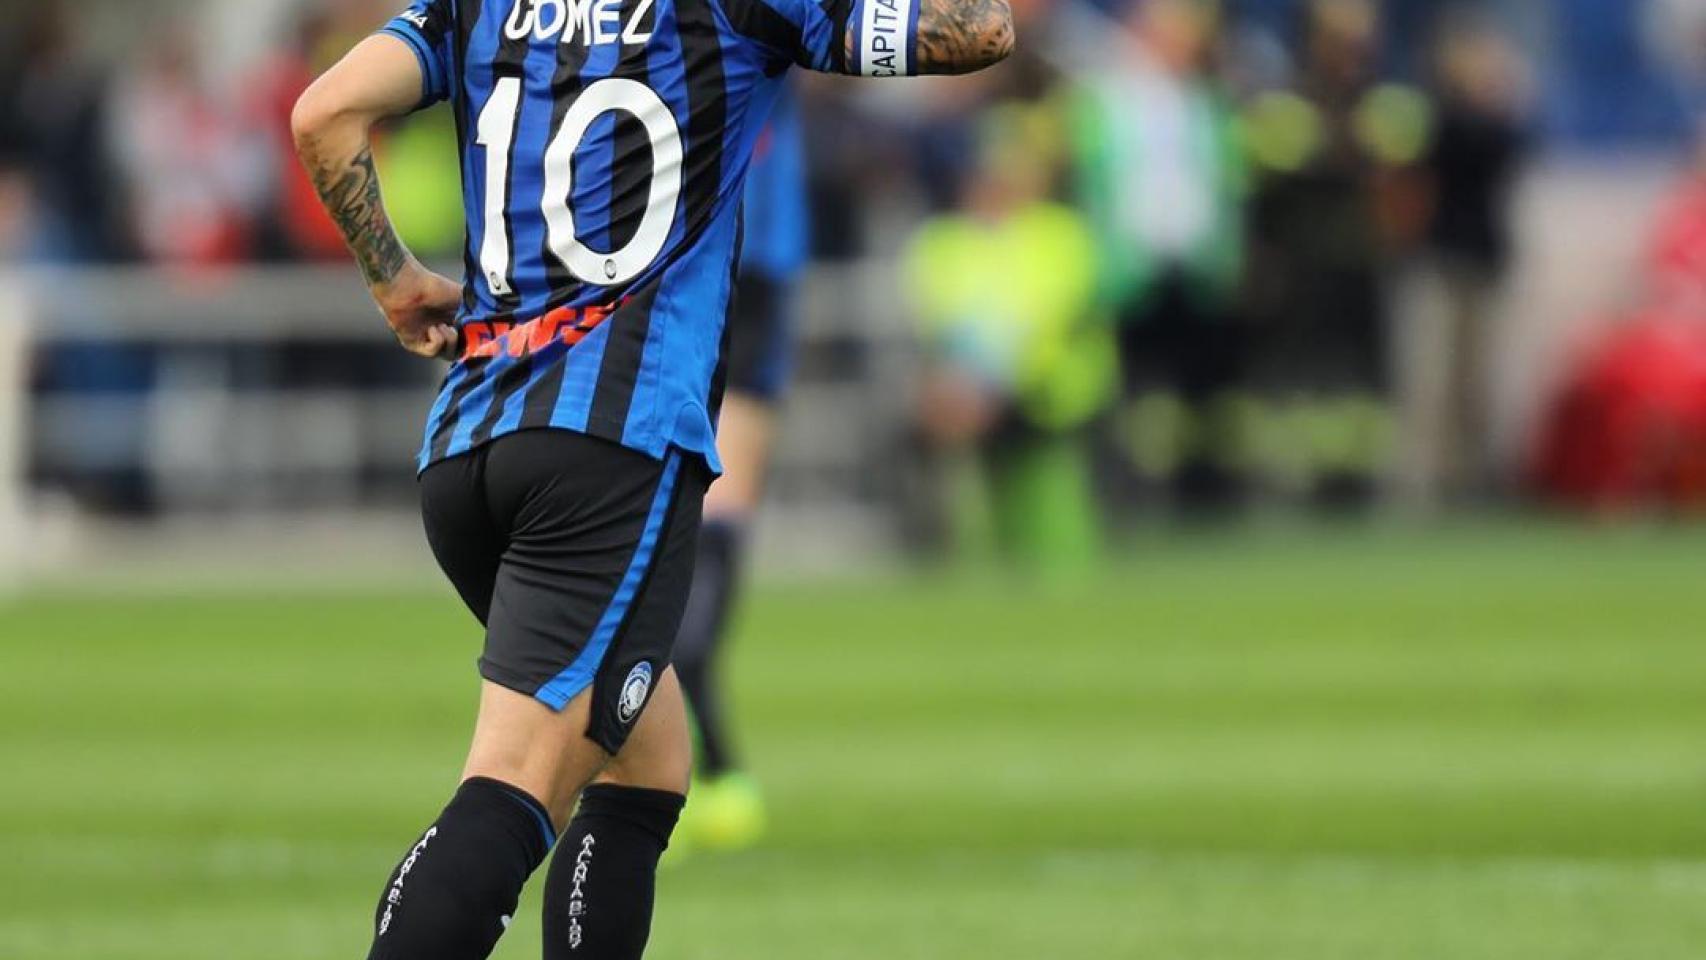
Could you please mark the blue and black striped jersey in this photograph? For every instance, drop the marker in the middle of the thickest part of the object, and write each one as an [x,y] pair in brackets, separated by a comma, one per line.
[604,148]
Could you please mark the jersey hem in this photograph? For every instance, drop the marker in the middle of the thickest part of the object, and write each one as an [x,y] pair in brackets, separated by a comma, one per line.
[659,452]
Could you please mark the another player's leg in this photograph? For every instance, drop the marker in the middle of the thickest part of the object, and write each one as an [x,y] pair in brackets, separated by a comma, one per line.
[727,811]
[744,442]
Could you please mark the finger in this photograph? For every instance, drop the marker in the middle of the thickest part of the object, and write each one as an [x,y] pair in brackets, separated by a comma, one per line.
[452,341]
[432,341]
[421,346]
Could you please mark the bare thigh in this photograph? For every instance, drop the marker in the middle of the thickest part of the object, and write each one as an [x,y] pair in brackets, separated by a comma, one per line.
[524,743]
[659,753]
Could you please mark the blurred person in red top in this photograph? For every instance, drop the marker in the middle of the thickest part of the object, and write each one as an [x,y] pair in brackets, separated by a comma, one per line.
[1628,427]
[1676,257]
[411,152]
[183,157]
[297,226]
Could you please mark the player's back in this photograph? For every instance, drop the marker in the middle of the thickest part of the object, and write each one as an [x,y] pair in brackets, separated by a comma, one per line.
[604,145]
[601,138]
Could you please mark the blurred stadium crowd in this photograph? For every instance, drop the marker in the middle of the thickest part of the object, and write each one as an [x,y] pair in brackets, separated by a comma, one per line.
[1182,252]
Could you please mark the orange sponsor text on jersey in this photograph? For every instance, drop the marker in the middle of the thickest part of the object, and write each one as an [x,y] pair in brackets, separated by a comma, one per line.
[570,325]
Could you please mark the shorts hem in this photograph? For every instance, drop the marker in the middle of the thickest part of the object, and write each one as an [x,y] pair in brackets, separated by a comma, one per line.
[556,699]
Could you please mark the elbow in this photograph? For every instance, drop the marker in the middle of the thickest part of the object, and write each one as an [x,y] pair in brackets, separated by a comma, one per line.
[316,114]
[309,119]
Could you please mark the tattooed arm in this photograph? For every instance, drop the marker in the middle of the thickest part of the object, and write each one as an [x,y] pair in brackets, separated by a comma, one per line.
[892,38]
[332,125]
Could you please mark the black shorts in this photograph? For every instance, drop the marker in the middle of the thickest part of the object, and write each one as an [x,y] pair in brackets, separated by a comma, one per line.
[761,337]
[576,554]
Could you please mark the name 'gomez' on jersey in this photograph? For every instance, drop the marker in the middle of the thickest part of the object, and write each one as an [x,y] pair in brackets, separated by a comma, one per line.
[604,146]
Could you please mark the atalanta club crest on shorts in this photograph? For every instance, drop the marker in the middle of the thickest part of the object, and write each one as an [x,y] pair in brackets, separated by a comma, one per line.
[634,692]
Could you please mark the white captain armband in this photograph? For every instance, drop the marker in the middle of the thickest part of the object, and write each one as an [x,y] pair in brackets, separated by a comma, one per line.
[885,41]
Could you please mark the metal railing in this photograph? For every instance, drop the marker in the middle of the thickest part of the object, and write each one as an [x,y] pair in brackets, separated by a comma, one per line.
[276,390]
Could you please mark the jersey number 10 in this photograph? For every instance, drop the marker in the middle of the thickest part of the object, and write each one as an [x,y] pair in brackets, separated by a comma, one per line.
[496,133]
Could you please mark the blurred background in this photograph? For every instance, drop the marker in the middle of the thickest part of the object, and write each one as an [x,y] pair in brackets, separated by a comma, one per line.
[1238,496]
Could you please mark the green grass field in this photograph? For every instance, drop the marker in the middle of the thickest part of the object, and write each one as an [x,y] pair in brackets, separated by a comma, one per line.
[1446,746]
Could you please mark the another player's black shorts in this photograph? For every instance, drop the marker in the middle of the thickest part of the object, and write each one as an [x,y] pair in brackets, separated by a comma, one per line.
[576,554]
[761,336]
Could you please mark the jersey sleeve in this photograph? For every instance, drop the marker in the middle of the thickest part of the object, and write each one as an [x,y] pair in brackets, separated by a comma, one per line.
[427,27]
[814,33]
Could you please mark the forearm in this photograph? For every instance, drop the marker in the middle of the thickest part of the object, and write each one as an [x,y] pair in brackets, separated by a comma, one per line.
[335,148]
[333,125]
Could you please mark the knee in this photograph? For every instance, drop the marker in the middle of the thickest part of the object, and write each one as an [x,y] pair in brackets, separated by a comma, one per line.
[665,764]
[671,772]
[658,754]
[554,785]
[544,753]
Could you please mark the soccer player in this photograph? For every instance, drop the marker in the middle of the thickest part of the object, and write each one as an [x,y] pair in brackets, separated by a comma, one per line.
[726,810]
[604,144]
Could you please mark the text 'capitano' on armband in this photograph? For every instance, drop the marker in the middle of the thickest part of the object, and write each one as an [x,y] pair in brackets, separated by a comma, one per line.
[888,33]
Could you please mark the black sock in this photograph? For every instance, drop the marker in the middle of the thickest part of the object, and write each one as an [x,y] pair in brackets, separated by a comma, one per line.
[598,897]
[699,644]
[453,894]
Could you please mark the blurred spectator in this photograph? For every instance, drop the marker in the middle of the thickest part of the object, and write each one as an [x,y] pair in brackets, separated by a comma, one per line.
[53,143]
[1676,255]
[1161,178]
[1330,207]
[1471,166]
[60,203]
[190,171]
[946,129]
[1628,427]
[295,225]
[417,156]
[1003,289]
[423,183]
[840,147]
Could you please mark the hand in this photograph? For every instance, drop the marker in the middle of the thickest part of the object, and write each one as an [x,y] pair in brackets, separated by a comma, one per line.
[421,308]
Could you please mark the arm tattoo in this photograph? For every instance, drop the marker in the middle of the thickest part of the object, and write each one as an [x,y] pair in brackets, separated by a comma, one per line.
[959,36]
[351,196]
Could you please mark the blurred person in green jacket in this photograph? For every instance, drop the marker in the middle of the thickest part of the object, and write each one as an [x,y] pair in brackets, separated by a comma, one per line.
[1159,173]
[1004,289]
[423,187]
